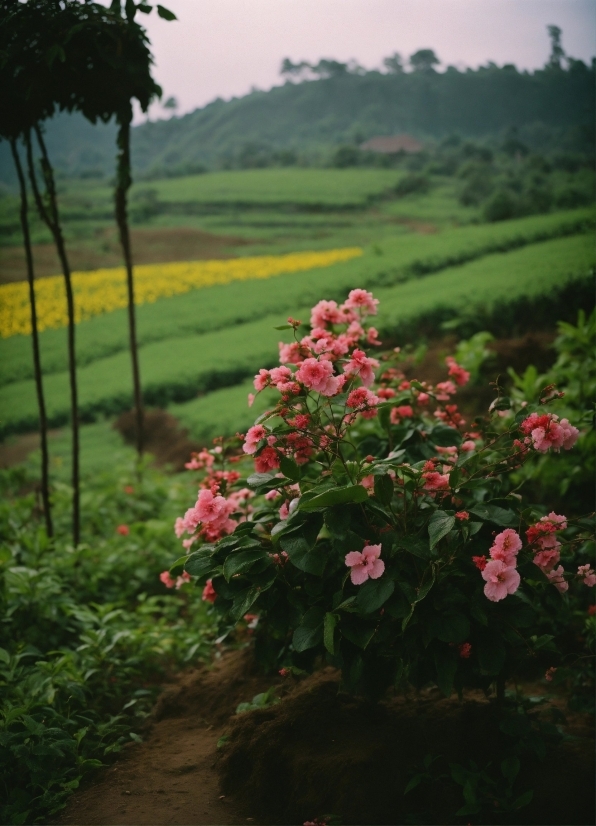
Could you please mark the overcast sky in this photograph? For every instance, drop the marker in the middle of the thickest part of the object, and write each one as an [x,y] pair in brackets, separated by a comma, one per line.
[222,48]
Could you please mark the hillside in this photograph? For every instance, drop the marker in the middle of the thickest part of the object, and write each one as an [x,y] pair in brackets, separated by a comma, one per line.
[550,108]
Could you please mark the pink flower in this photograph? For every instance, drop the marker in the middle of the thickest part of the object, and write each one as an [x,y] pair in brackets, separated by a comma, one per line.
[210,508]
[284,511]
[209,594]
[403,411]
[361,399]
[179,527]
[362,300]
[251,399]
[253,437]
[366,564]
[385,392]
[290,353]
[555,519]
[506,546]
[184,577]
[324,313]
[556,576]
[267,460]
[463,515]
[468,445]
[129,489]
[123,530]
[586,573]
[423,398]
[550,673]
[547,559]
[446,389]
[545,431]
[318,375]
[284,672]
[167,579]
[465,649]
[360,365]
[480,562]
[280,376]
[272,494]
[500,580]
[460,375]
[261,379]
[372,337]
[433,480]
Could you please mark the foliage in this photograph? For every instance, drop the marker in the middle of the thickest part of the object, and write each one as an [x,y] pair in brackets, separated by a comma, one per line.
[572,480]
[377,558]
[85,634]
[549,108]
[505,288]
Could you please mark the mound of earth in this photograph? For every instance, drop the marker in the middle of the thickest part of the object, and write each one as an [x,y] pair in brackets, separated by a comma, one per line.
[319,752]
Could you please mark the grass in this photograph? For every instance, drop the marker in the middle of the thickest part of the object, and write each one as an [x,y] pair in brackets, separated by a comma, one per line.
[395,259]
[176,369]
[299,187]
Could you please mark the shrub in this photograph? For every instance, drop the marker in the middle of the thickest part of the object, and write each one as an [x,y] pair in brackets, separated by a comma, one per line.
[501,207]
[401,551]
[412,184]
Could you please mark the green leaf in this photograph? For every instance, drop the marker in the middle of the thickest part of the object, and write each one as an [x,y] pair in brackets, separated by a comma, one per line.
[238,563]
[310,631]
[445,436]
[439,526]
[4,656]
[284,327]
[446,665]
[144,7]
[415,545]
[510,768]
[243,602]
[492,513]
[384,489]
[329,632]
[523,799]
[374,593]
[336,496]
[491,654]
[337,520]
[415,781]
[200,563]
[256,480]
[166,13]
[356,631]
[453,627]
[289,468]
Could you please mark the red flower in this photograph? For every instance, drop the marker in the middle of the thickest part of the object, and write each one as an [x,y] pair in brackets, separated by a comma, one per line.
[123,530]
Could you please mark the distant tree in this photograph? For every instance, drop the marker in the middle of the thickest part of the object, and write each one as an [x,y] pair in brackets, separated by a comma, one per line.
[330,68]
[293,69]
[18,114]
[394,64]
[423,60]
[171,104]
[557,53]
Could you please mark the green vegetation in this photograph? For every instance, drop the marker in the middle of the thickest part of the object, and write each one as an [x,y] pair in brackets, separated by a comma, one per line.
[87,634]
[394,259]
[305,122]
[498,290]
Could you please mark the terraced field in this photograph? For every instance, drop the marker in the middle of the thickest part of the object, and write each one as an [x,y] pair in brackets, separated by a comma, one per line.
[176,368]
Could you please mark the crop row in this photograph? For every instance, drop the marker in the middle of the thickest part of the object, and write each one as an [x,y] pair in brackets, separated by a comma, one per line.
[496,288]
[401,258]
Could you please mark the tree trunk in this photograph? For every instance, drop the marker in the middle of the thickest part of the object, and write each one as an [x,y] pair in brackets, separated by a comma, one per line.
[123,182]
[43,425]
[52,220]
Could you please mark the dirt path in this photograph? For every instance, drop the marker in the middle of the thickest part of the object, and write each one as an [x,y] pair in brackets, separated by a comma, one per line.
[170,778]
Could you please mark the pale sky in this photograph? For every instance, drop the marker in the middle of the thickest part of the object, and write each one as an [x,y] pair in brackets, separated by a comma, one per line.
[222,48]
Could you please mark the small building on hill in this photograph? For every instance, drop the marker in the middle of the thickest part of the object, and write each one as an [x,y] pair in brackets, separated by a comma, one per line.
[392,144]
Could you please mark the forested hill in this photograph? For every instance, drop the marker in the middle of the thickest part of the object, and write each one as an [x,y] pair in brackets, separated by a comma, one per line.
[549,107]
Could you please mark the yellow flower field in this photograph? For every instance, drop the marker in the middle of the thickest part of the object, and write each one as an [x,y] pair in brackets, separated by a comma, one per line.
[101,291]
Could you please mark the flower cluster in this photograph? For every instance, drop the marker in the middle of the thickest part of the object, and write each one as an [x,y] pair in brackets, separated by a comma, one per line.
[366,491]
[543,431]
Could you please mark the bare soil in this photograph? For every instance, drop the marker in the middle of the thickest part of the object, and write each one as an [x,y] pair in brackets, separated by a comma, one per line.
[150,246]
[316,753]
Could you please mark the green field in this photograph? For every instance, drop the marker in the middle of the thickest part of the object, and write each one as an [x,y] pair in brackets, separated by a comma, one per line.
[177,368]
[394,259]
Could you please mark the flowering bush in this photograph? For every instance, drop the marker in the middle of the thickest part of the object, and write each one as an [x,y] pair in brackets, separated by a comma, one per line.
[379,529]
